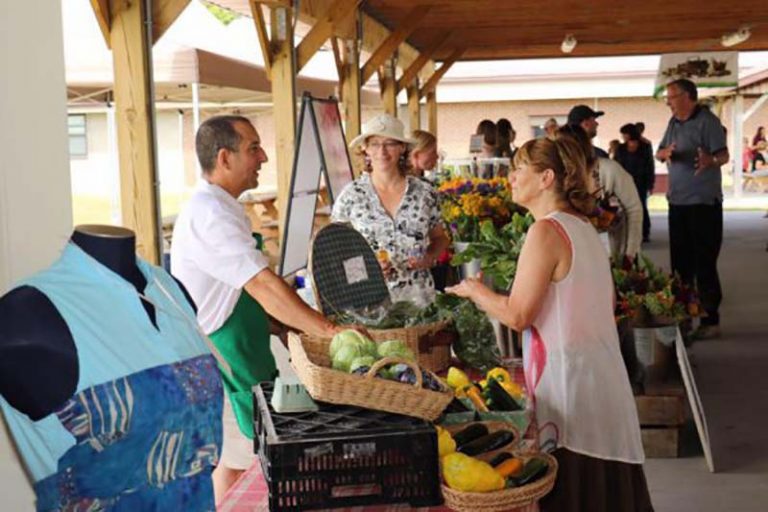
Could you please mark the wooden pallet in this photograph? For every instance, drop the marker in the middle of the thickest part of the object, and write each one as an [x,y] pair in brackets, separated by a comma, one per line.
[662,411]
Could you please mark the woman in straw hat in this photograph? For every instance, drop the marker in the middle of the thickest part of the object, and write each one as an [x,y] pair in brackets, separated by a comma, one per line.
[397,214]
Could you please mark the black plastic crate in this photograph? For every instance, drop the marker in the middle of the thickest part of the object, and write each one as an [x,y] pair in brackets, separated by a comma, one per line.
[344,456]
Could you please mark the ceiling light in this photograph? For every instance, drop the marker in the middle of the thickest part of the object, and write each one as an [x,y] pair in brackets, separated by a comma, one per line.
[737,37]
[568,44]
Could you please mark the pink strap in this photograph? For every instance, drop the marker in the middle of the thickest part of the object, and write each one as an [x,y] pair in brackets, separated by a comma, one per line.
[560,231]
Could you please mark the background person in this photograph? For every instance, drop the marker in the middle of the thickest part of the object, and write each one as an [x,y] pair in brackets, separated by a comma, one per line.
[636,157]
[582,115]
[396,213]
[562,298]
[550,128]
[612,181]
[505,138]
[694,148]
[423,153]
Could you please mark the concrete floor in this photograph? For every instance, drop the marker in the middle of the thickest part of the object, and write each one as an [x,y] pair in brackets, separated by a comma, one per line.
[732,378]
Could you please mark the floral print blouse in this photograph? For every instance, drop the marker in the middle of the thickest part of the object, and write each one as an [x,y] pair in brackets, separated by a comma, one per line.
[402,237]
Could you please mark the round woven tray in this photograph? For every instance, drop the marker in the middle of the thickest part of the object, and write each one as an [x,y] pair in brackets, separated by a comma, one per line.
[506,499]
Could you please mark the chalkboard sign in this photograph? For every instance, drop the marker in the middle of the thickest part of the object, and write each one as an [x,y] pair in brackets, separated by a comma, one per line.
[321,150]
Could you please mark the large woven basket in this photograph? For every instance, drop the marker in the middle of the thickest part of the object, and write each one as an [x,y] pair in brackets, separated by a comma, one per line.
[310,360]
[506,499]
[421,339]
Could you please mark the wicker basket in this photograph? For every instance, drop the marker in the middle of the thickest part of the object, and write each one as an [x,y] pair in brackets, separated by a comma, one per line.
[419,338]
[310,359]
[506,499]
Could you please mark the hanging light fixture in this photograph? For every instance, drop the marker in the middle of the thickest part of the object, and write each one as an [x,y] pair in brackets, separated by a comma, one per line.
[737,37]
[568,44]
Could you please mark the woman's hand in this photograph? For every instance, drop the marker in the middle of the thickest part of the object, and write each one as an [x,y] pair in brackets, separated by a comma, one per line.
[468,288]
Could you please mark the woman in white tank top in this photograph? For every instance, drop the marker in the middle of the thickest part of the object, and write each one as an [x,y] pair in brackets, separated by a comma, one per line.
[562,300]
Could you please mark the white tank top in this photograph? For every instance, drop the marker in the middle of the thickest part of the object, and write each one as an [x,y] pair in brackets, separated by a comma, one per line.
[582,397]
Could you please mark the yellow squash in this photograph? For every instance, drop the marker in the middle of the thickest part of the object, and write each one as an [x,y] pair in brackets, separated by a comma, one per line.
[464,473]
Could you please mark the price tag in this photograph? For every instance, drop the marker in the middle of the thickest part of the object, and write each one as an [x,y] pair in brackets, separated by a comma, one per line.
[354,268]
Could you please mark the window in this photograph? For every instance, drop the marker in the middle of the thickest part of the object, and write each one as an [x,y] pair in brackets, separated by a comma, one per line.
[78,138]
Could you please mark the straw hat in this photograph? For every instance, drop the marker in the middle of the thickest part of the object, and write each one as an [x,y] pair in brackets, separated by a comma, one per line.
[383,125]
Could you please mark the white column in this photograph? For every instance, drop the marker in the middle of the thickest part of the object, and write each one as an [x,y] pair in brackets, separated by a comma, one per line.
[195,118]
[35,188]
[738,144]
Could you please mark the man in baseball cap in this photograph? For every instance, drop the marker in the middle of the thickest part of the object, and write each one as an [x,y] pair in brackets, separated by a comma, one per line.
[582,115]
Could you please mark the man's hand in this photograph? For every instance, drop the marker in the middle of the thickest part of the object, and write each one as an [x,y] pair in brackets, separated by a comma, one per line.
[703,161]
[664,154]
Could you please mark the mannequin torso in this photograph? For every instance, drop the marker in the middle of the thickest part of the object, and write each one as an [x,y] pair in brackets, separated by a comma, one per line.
[38,358]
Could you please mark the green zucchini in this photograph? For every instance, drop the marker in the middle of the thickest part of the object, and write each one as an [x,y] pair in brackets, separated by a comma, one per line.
[499,458]
[500,399]
[469,434]
[533,470]
[487,443]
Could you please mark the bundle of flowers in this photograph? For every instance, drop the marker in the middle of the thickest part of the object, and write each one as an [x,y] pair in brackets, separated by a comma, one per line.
[651,297]
[465,203]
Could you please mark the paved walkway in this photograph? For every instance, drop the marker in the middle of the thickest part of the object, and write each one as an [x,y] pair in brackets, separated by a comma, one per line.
[732,377]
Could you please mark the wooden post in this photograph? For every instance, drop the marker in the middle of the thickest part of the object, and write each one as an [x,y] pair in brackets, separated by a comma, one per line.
[135,127]
[388,87]
[432,112]
[284,103]
[414,108]
[350,86]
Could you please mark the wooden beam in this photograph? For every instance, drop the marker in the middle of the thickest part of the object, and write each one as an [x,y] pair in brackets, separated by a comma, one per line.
[398,36]
[423,58]
[388,87]
[438,74]
[432,112]
[414,107]
[135,127]
[322,30]
[164,13]
[350,90]
[101,10]
[284,102]
[261,32]
[337,58]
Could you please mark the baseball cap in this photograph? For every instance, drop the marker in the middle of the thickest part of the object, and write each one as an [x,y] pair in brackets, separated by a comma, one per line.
[582,112]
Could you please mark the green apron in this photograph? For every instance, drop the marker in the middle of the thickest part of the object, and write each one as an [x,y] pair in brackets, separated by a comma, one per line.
[243,342]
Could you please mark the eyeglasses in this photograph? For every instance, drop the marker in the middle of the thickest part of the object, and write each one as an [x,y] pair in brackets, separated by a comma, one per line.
[391,144]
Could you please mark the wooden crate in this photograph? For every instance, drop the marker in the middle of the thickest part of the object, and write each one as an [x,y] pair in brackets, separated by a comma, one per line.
[662,412]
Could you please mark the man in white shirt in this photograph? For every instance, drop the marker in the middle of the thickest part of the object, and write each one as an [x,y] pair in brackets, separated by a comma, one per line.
[215,256]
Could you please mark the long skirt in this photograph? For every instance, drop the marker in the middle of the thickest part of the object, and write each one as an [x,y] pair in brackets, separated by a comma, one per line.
[588,484]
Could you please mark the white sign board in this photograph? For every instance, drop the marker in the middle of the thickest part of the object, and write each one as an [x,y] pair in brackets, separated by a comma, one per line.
[705,69]
[694,400]
[321,150]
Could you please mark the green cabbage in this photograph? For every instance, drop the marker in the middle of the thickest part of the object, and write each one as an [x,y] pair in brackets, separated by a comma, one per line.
[361,361]
[396,348]
[351,337]
[344,357]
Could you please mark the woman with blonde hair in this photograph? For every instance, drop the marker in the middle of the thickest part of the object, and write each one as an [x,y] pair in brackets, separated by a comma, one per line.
[562,301]
[423,153]
[396,213]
